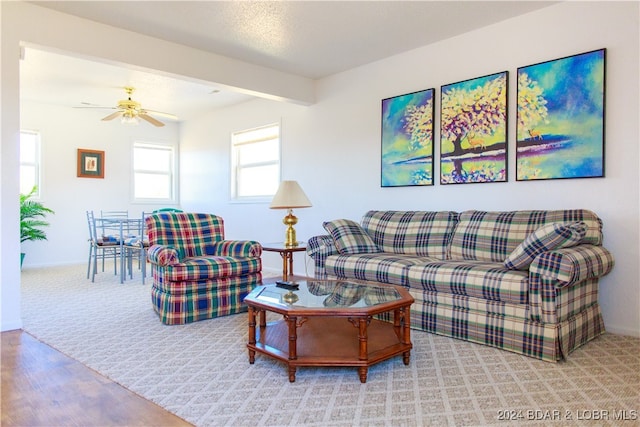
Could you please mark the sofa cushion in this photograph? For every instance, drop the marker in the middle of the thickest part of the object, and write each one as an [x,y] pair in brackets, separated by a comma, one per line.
[546,238]
[419,233]
[380,267]
[492,236]
[349,237]
[489,281]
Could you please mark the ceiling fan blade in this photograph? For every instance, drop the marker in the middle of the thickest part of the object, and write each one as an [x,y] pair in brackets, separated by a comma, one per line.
[150,119]
[94,106]
[161,114]
[112,116]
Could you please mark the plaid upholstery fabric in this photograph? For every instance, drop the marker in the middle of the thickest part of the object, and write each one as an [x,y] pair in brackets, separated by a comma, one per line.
[211,267]
[564,281]
[502,325]
[383,267]
[545,312]
[196,273]
[235,248]
[185,302]
[349,237]
[466,318]
[489,281]
[411,232]
[545,238]
[572,265]
[163,255]
[319,248]
[492,236]
[190,233]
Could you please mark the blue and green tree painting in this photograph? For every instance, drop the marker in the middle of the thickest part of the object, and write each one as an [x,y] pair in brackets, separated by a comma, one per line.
[560,126]
[407,139]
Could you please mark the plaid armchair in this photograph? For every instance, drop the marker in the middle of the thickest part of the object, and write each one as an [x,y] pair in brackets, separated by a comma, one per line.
[197,274]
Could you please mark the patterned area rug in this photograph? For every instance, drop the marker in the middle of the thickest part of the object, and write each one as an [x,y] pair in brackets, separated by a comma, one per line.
[201,371]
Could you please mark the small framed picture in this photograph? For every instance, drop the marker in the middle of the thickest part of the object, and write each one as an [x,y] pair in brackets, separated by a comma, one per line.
[90,163]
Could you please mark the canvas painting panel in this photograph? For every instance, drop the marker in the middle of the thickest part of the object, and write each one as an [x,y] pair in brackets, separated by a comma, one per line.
[407,139]
[560,127]
[473,130]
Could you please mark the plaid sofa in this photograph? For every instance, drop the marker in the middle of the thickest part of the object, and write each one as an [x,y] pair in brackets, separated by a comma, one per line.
[523,281]
[197,274]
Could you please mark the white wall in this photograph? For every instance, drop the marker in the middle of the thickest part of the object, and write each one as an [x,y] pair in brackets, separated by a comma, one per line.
[333,147]
[63,130]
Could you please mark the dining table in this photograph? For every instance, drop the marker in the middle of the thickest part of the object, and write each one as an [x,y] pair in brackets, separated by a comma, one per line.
[121,229]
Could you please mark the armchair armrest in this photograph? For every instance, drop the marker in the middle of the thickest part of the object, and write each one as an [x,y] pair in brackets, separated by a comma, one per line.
[163,255]
[236,249]
[573,265]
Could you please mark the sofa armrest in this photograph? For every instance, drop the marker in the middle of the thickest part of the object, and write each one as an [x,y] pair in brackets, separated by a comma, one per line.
[564,282]
[163,255]
[319,248]
[573,265]
[236,249]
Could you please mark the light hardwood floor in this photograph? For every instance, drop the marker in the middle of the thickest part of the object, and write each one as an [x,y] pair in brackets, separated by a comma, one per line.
[43,387]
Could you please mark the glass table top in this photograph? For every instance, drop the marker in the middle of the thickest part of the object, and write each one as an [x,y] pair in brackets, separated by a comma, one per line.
[327,294]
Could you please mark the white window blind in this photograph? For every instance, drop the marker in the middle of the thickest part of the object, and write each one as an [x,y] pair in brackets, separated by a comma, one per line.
[154,172]
[255,163]
[29,162]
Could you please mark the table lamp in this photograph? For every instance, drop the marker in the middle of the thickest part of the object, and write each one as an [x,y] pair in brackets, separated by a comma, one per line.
[289,196]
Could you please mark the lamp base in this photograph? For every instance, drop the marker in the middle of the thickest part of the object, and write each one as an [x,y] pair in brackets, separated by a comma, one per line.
[290,237]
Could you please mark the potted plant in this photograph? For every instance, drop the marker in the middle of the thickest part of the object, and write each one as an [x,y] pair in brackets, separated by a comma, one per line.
[32,215]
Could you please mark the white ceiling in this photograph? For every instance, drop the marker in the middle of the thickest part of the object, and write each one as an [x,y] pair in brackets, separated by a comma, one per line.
[312,39]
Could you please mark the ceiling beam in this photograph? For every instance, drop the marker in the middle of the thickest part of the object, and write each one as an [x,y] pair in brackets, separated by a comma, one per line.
[41,27]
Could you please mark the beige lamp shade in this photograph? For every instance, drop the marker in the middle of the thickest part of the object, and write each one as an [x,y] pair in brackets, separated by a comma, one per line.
[289,196]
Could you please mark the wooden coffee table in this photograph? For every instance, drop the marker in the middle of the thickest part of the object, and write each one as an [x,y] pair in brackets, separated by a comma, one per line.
[330,323]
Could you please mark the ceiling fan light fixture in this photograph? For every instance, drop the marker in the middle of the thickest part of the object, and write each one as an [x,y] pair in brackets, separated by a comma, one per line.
[131,112]
[129,118]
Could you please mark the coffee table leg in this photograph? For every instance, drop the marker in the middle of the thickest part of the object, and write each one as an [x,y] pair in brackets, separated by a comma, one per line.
[406,329]
[263,318]
[293,353]
[364,353]
[252,334]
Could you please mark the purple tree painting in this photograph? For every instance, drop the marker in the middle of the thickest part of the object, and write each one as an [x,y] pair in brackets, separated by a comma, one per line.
[473,130]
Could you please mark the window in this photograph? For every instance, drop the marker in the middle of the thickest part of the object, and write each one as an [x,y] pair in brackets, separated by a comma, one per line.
[154,172]
[255,169]
[29,162]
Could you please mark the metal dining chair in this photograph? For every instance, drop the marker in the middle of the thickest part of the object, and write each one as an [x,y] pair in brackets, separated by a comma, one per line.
[136,247]
[100,247]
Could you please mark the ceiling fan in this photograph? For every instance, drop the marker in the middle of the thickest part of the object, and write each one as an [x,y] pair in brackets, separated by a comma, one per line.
[131,111]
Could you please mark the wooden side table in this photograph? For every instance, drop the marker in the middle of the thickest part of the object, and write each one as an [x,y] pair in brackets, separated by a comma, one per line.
[286,252]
